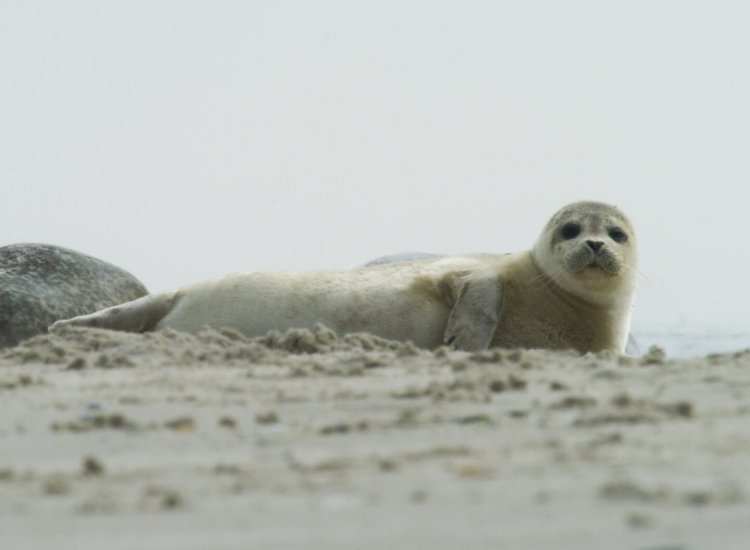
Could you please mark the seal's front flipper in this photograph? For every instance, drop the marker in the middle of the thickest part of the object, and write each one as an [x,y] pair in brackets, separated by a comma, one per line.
[140,315]
[473,319]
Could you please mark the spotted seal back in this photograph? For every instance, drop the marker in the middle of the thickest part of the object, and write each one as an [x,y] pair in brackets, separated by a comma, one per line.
[41,283]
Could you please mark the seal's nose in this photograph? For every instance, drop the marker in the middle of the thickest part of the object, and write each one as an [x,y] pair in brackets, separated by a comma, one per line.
[595,245]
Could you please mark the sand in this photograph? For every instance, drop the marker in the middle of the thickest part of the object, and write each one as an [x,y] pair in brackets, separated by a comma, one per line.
[306,440]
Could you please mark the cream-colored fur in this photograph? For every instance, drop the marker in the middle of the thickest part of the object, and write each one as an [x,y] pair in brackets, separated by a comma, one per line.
[562,294]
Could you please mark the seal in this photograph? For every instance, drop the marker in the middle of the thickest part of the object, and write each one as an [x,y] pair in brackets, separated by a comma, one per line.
[41,283]
[402,257]
[573,289]
[631,347]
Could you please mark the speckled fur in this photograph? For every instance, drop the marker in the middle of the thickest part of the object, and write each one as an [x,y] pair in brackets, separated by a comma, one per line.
[40,284]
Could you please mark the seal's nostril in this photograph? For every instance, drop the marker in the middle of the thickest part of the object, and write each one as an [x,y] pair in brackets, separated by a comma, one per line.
[595,245]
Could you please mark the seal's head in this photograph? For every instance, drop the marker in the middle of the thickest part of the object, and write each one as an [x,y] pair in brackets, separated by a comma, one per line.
[589,249]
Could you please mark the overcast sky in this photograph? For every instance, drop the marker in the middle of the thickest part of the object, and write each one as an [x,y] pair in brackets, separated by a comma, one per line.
[183,140]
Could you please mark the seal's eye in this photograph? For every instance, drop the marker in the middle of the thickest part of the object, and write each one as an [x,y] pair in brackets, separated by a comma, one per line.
[618,235]
[570,231]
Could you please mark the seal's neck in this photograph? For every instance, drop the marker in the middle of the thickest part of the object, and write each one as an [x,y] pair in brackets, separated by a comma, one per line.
[617,296]
[606,318]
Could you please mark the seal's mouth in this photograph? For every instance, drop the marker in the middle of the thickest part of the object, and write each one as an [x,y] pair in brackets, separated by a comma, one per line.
[599,261]
[600,264]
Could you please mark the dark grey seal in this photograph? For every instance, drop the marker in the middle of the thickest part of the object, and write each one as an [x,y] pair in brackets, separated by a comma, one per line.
[41,283]
[402,257]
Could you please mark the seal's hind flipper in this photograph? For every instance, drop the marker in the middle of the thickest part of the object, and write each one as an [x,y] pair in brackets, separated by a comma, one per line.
[141,315]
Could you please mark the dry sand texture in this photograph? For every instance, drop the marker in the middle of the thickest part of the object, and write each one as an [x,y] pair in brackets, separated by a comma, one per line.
[305,440]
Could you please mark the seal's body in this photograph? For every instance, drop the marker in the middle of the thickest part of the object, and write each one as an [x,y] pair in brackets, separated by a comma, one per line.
[40,284]
[572,290]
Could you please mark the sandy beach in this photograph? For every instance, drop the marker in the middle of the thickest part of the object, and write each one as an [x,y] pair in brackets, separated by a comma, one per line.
[307,440]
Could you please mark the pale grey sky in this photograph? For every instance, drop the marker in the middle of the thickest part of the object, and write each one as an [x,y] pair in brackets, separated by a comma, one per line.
[183,140]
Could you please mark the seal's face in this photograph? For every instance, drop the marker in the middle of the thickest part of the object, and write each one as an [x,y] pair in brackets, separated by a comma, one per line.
[589,249]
